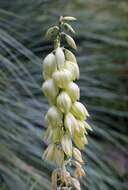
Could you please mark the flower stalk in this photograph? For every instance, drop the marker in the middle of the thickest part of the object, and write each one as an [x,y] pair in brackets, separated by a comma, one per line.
[66,118]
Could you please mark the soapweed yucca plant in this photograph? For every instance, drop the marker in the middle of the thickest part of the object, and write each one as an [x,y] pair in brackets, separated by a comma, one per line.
[66,118]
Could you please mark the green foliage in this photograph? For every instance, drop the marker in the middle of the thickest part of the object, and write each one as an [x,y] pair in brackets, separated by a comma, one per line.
[102,38]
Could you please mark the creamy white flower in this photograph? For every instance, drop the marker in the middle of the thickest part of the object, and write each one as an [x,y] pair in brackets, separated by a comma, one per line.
[62,78]
[73,68]
[70,123]
[49,66]
[54,117]
[50,90]
[79,111]
[64,102]
[70,56]
[73,90]
[66,143]
[60,58]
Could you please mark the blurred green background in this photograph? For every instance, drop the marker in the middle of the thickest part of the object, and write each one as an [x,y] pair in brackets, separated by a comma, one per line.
[102,38]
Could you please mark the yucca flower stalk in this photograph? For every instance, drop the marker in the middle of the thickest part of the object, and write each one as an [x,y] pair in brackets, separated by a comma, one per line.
[66,118]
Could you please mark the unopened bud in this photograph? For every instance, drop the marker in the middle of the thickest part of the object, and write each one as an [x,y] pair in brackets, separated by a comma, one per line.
[51,31]
[64,102]
[70,41]
[68,18]
[70,56]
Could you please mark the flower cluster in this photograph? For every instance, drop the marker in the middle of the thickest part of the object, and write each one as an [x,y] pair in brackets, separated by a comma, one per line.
[66,118]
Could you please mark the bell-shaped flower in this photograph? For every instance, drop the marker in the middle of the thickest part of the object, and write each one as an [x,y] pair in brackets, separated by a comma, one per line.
[50,90]
[73,90]
[70,123]
[49,66]
[54,117]
[60,58]
[62,78]
[66,143]
[64,102]
[79,111]
[73,68]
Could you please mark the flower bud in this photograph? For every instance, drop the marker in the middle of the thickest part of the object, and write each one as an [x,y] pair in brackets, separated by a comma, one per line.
[73,91]
[69,56]
[77,155]
[49,152]
[70,123]
[50,90]
[64,102]
[49,66]
[70,41]
[73,68]
[69,27]
[54,117]
[52,31]
[68,18]
[67,145]
[79,111]
[60,58]
[62,78]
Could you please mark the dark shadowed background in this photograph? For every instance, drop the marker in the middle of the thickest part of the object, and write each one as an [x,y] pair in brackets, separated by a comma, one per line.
[102,39]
